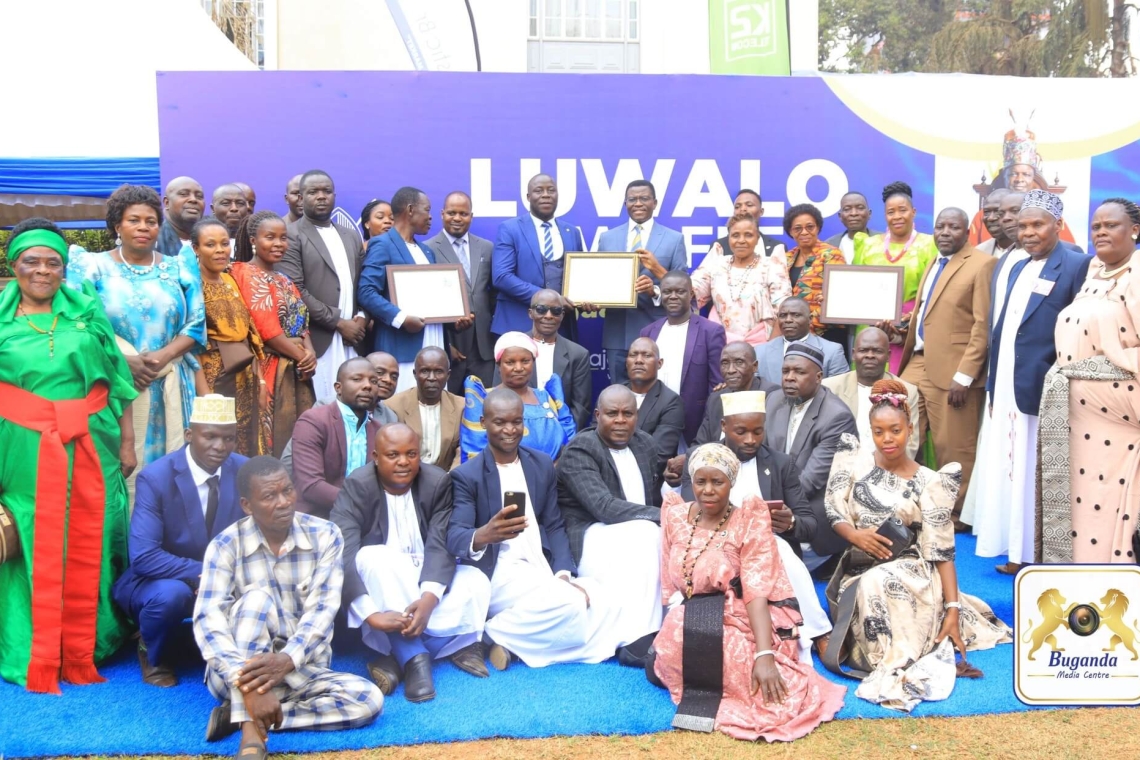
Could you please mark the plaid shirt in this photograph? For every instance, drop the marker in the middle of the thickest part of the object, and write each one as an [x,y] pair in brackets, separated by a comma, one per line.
[305,580]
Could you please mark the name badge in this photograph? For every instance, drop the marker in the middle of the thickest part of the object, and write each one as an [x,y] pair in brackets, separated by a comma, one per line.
[1043,287]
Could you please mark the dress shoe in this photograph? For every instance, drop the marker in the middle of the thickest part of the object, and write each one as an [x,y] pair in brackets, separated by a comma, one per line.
[385,672]
[218,727]
[418,685]
[471,659]
[1009,568]
[961,527]
[500,657]
[156,675]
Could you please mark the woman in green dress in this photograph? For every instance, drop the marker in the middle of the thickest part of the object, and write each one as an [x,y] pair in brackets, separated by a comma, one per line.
[901,246]
[65,400]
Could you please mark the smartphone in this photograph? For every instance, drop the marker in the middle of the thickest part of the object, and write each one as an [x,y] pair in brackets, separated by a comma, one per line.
[774,505]
[516,499]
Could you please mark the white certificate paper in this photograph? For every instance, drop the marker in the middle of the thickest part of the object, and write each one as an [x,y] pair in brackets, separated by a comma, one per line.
[861,295]
[602,279]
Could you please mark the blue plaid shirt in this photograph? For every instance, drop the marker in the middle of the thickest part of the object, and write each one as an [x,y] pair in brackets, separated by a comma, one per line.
[305,580]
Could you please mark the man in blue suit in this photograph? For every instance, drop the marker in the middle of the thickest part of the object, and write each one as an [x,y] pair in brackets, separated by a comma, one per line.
[529,257]
[539,611]
[662,250]
[182,501]
[1030,288]
[398,333]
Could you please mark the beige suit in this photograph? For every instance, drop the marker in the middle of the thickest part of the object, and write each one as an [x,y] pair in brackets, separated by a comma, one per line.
[956,340]
[406,405]
[846,387]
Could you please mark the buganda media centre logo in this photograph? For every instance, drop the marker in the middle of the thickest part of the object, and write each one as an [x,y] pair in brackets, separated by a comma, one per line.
[1077,642]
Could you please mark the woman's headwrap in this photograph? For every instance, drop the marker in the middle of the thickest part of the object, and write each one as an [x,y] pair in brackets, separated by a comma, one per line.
[515,340]
[715,455]
[35,239]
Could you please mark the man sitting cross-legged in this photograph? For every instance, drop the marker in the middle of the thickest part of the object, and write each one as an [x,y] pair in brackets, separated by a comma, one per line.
[401,584]
[538,610]
[264,619]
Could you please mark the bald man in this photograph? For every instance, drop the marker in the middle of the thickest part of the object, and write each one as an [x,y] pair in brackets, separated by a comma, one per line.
[402,588]
[293,200]
[250,196]
[230,205]
[182,206]
[991,217]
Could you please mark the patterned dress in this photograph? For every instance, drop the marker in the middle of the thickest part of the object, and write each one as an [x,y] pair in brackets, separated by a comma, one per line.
[548,425]
[744,299]
[898,607]
[228,319]
[809,285]
[745,548]
[276,308]
[149,307]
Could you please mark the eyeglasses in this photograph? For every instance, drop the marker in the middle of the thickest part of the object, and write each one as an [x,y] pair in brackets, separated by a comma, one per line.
[542,310]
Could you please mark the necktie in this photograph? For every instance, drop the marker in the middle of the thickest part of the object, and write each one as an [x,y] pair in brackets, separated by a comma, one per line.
[461,253]
[211,504]
[547,242]
[942,261]
[636,238]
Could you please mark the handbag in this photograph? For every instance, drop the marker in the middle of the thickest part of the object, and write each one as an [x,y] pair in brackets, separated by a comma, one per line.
[9,537]
[236,355]
[901,536]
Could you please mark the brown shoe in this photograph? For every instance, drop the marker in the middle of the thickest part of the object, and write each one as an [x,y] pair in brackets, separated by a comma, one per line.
[385,672]
[155,675]
[500,657]
[472,659]
[961,527]
[1009,568]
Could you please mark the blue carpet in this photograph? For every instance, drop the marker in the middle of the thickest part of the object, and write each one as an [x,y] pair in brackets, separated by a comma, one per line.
[126,717]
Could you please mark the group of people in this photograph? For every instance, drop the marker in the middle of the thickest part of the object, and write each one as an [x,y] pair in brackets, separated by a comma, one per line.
[308,451]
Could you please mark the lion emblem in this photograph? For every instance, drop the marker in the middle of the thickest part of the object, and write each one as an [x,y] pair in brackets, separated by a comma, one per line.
[1113,606]
[1052,605]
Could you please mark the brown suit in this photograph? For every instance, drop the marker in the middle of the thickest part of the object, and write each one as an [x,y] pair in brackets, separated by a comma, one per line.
[956,330]
[406,405]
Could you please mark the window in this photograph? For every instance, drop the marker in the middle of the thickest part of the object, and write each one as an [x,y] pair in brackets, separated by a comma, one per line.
[243,22]
[615,20]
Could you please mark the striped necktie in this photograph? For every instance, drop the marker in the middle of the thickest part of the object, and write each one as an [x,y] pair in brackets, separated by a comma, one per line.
[547,242]
[636,244]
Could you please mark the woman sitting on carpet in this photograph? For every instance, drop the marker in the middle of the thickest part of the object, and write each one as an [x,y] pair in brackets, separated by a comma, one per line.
[548,423]
[56,345]
[903,608]
[733,618]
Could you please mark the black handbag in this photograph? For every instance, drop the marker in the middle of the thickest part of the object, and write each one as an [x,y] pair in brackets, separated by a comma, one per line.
[901,536]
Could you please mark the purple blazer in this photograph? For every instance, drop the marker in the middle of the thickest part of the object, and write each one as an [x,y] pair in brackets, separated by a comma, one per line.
[320,454]
[703,346]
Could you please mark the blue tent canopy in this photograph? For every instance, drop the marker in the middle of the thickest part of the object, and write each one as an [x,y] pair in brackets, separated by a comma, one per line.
[89,177]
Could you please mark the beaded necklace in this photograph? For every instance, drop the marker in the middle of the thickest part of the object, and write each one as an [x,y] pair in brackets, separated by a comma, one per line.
[49,332]
[887,247]
[688,568]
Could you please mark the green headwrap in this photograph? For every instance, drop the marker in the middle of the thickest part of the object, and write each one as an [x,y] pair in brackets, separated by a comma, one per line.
[34,239]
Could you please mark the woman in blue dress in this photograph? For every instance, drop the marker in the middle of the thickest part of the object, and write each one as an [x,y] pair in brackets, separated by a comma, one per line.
[548,424]
[156,309]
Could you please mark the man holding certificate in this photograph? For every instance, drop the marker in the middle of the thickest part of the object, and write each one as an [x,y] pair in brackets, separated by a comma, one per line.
[399,331]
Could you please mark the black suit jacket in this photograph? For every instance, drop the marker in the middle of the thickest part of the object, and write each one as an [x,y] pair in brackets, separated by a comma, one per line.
[779,481]
[589,489]
[714,411]
[662,415]
[572,364]
[361,513]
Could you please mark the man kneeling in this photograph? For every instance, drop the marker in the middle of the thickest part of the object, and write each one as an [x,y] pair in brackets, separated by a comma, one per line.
[402,586]
[264,619]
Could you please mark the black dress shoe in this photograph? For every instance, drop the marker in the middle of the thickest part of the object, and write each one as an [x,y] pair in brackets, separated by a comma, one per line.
[156,675]
[471,659]
[385,673]
[218,727]
[418,685]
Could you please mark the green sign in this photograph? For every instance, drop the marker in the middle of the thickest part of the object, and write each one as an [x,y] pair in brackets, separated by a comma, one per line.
[749,37]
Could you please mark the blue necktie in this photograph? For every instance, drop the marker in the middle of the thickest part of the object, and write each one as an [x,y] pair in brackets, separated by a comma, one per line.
[942,262]
[547,242]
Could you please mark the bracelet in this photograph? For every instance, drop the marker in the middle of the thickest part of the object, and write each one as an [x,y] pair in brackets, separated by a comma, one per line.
[952,605]
[761,653]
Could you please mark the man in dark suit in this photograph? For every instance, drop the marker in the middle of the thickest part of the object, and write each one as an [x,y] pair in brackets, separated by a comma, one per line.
[324,452]
[659,410]
[738,367]
[662,250]
[539,612]
[472,351]
[772,476]
[182,206]
[182,501]
[323,260]
[401,587]
[609,492]
[806,422]
[558,355]
[749,202]
[690,347]
[855,213]
[529,257]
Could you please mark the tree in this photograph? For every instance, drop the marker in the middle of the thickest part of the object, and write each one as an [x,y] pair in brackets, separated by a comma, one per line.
[1071,38]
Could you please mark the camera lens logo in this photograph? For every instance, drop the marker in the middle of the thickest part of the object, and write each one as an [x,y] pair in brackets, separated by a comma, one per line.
[1076,640]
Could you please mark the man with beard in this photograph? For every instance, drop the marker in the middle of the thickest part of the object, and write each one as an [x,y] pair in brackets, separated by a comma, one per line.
[293,200]
[660,412]
[182,206]
[432,412]
[855,213]
[991,217]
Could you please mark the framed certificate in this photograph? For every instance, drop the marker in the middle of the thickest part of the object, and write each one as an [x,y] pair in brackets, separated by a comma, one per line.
[608,280]
[859,295]
[435,293]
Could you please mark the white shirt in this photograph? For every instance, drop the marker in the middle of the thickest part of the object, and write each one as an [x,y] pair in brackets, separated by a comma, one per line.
[928,288]
[847,245]
[433,334]
[526,547]
[555,237]
[432,427]
[632,486]
[747,483]
[544,364]
[200,477]
[794,421]
[671,345]
[335,244]
[640,397]
[646,229]
[863,418]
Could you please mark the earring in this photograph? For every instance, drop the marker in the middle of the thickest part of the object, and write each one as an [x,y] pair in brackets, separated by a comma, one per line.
[118,241]
[254,249]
